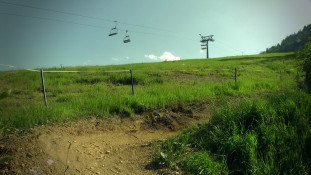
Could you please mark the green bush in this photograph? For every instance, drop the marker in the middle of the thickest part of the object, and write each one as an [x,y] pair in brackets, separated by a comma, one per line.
[202,163]
[306,56]
[258,137]
[125,79]
[5,94]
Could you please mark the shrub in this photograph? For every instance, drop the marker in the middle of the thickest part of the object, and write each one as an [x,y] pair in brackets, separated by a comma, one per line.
[5,94]
[306,56]
[258,137]
[202,163]
[125,79]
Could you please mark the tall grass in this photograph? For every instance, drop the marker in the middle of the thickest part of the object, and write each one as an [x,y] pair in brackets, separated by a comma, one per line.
[257,137]
[97,93]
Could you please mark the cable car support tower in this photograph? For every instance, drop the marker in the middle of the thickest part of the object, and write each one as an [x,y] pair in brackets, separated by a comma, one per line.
[204,43]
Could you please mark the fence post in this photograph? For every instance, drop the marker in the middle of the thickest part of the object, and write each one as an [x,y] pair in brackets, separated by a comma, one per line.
[235,74]
[132,79]
[43,88]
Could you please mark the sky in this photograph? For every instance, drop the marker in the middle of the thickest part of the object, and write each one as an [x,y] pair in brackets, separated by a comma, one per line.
[51,33]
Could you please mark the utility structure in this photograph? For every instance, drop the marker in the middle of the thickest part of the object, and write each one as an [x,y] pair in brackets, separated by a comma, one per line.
[204,43]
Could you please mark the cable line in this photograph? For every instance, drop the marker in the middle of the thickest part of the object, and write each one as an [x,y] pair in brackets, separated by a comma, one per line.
[90,17]
[70,22]
[226,45]
[56,11]
[90,25]
[51,19]
[97,26]
[81,15]
[100,27]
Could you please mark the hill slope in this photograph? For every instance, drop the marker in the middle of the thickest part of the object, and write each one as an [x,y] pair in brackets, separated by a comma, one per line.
[105,91]
[168,96]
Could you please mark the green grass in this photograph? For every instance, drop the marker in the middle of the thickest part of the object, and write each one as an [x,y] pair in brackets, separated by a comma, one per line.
[100,93]
[270,136]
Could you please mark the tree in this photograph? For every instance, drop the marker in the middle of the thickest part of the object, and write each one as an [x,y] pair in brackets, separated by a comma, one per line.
[294,42]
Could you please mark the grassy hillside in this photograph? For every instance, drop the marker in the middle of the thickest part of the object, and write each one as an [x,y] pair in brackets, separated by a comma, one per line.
[105,91]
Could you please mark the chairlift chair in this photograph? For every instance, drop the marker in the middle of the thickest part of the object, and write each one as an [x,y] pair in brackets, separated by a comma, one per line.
[113,30]
[126,39]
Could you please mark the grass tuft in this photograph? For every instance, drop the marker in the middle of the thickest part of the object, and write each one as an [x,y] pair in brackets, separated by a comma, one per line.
[257,137]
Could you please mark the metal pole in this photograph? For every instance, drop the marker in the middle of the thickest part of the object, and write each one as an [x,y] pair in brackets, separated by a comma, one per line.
[207,56]
[204,43]
[235,74]
[43,88]
[131,71]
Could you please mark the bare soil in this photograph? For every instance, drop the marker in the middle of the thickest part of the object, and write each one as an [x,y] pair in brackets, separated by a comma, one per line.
[97,146]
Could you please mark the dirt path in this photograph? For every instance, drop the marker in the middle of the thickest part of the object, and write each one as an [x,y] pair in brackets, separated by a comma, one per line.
[106,146]
[110,152]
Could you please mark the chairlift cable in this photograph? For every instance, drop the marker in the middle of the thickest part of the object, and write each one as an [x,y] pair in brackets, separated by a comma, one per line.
[72,22]
[52,19]
[100,27]
[96,18]
[84,16]
[89,25]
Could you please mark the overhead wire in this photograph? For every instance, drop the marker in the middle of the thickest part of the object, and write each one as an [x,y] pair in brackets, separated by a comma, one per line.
[98,18]
[50,19]
[81,15]
[53,10]
[71,22]
[216,45]
[88,25]
[97,26]
[226,45]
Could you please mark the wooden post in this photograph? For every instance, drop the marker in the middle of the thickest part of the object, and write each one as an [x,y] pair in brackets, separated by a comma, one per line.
[235,74]
[43,88]
[132,78]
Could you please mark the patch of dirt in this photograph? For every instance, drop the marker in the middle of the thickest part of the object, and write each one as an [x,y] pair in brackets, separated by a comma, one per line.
[98,146]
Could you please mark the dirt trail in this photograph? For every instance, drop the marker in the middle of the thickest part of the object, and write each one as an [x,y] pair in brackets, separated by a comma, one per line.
[106,146]
[109,152]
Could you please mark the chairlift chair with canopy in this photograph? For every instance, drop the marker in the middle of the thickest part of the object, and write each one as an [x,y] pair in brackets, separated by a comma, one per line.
[126,39]
[113,30]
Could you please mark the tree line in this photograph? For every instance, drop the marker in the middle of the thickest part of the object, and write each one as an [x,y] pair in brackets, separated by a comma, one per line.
[294,42]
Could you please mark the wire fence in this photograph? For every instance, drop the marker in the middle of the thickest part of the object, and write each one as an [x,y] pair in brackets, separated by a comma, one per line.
[236,72]
[144,70]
